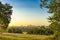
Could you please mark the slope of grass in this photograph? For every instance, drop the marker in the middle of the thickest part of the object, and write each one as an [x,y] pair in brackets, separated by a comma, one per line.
[2,30]
[12,36]
[23,37]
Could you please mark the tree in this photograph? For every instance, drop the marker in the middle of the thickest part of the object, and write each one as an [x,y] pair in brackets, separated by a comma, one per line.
[42,30]
[5,15]
[54,9]
[33,31]
[48,31]
[14,30]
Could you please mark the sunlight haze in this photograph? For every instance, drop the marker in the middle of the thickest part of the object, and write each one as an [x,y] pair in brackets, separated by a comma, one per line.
[27,12]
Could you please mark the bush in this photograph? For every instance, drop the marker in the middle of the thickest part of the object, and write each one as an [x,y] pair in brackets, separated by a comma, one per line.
[14,30]
[40,31]
[33,31]
[46,31]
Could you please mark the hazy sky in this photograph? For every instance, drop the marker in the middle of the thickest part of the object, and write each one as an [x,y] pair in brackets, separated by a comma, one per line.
[27,12]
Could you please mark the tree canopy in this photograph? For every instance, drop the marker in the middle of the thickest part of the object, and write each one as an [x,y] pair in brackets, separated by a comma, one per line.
[53,7]
[5,14]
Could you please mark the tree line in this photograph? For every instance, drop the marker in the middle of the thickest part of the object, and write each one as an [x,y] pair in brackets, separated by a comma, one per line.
[34,30]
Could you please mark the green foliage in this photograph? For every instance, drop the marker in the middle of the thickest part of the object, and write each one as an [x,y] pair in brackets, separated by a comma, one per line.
[14,30]
[5,14]
[54,8]
[45,31]
[49,32]
[42,30]
[33,31]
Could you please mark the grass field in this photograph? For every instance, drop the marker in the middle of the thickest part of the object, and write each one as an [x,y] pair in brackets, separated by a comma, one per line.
[12,36]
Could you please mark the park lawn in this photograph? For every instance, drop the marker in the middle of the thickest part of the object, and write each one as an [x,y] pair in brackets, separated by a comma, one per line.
[12,36]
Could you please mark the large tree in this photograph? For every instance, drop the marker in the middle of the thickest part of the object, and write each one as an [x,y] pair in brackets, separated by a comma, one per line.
[5,15]
[53,7]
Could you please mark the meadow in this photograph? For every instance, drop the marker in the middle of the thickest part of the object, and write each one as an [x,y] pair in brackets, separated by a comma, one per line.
[14,36]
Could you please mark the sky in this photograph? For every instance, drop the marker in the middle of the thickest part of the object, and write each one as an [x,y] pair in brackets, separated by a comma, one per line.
[27,12]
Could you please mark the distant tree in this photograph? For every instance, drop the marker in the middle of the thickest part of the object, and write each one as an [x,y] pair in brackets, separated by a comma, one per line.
[33,31]
[42,30]
[30,31]
[5,14]
[54,9]
[14,30]
[48,32]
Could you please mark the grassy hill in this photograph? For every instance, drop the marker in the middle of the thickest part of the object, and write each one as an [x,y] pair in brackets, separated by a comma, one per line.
[12,36]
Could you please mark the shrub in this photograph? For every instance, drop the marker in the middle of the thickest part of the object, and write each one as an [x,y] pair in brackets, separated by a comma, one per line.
[14,30]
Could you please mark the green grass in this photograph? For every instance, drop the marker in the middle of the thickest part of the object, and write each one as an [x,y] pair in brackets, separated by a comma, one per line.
[12,36]
[23,37]
[2,30]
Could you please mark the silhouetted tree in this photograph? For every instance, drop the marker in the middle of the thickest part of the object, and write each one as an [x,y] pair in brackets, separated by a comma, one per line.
[54,9]
[5,14]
